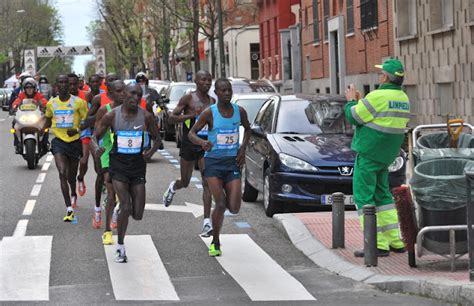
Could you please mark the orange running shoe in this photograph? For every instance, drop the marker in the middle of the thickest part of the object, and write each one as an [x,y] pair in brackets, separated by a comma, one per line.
[97,220]
[81,187]
[74,201]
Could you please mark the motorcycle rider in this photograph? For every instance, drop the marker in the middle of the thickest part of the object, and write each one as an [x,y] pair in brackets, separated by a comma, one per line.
[44,87]
[29,92]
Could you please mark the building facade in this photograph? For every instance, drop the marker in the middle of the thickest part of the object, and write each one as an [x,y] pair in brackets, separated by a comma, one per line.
[273,16]
[341,43]
[435,40]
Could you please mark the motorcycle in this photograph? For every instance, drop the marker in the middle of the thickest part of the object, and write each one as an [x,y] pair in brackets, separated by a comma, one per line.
[32,141]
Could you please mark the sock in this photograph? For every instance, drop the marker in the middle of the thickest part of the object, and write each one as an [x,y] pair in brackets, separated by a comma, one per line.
[207,221]
[98,209]
[70,209]
[172,186]
[217,245]
[121,248]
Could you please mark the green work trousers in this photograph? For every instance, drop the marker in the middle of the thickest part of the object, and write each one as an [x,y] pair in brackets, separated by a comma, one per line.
[370,186]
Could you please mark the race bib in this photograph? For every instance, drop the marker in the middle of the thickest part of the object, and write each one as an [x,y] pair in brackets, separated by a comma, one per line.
[129,142]
[64,118]
[227,139]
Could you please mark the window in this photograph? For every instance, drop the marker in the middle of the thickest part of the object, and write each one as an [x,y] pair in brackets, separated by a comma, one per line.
[326,17]
[350,16]
[315,21]
[267,117]
[328,90]
[368,15]
[471,10]
[445,98]
[406,18]
[441,14]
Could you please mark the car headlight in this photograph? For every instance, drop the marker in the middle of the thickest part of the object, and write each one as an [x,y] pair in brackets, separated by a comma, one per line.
[397,164]
[29,119]
[296,163]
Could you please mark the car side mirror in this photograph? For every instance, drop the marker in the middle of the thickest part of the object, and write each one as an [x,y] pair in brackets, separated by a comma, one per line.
[257,130]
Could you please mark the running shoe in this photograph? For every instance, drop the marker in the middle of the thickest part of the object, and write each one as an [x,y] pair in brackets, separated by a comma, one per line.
[97,220]
[206,230]
[168,196]
[74,201]
[113,223]
[107,238]
[119,257]
[214,251]
[69,217]
[81,187]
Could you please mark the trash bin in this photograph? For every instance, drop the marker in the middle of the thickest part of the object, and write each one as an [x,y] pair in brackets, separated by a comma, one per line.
[439,187]
[436,145]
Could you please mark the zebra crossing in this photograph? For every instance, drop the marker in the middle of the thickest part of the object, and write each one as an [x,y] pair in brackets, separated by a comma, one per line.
[25,264]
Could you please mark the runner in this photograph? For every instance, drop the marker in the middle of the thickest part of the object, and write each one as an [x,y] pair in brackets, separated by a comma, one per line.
[117,92]
[85,134]
[223,159]
[127,168]
[192,105]
[64,114]
[82,84]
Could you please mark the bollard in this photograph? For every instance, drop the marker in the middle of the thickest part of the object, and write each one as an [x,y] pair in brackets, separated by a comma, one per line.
[370,236]
[338,220]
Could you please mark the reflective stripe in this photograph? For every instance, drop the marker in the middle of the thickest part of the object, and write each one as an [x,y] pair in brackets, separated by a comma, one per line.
[369,107]
[385,207]
[355,115]
[389,130]
[378,209]
[393,114]
[388,227]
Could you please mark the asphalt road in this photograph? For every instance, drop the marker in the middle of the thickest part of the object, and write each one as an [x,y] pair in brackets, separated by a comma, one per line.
[79,272]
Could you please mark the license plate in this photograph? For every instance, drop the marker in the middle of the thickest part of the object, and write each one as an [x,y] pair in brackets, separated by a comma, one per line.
[326,199]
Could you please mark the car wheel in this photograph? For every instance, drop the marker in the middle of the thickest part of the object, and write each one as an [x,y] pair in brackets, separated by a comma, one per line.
[270,205]
[249,194]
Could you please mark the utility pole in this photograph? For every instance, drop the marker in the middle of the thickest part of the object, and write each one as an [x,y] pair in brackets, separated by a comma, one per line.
[221,38]
[197,64]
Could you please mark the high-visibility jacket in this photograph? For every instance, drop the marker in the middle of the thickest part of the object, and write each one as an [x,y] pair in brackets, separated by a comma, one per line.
[381,119]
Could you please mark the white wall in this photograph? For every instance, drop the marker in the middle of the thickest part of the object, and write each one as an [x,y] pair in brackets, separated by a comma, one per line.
[238,41]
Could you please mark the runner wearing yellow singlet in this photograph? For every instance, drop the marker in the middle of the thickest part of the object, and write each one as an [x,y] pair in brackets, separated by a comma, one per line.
[64,114]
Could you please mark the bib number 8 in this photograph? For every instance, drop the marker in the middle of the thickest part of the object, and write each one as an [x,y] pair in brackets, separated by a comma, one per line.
[130,143]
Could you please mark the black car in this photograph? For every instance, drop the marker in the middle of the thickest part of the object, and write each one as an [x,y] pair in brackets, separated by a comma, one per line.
[300,153]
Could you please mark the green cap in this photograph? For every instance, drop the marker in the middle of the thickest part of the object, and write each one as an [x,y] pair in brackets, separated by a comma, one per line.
[392,66]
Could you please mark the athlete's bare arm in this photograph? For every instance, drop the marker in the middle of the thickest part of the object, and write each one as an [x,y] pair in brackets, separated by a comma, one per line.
[154,135]
[184,104]
[204,119]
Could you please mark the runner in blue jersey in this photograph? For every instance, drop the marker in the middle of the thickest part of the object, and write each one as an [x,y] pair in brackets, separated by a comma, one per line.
[223,158]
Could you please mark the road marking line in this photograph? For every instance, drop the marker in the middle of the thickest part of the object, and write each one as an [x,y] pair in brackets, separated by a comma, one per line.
[41,177]
[32,256]
[174,161]
[30,205]
[198,186]
[195,209]
[20,229]
[259,275]
[49,158]
[194,179]
[45,166]
[177,166]
[169,157]
[36,190]
[164,153]
[143,277]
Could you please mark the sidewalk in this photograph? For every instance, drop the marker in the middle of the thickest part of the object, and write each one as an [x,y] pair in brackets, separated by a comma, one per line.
[312,234]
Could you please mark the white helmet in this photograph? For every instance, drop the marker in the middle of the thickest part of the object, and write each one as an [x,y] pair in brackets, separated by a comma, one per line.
[30,81]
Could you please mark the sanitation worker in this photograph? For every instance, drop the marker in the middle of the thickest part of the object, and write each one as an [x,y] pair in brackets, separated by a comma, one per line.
[380,119]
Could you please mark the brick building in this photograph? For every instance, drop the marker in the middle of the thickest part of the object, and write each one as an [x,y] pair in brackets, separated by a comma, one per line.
[435,40]
[342,41]
[273,16]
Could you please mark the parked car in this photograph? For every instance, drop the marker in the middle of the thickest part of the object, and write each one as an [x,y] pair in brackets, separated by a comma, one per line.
[171,96]
[5,94]
[299,153]
[251,102]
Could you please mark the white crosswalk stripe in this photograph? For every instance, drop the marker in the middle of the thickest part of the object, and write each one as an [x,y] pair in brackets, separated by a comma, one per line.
[24,268]
[259,275]
[144,277]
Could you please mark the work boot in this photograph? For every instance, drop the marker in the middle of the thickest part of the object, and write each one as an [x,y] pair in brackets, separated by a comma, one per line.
[400,250]
[380,253]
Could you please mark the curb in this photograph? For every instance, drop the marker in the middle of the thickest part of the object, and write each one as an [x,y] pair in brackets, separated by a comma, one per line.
[304,241]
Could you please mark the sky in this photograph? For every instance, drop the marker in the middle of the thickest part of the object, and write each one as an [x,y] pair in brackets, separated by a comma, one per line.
[75,17]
